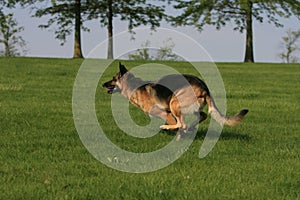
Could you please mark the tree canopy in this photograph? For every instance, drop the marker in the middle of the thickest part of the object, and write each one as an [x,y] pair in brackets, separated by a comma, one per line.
[68,16]
[241,13]
[135,12]
[14,44]
[291,46]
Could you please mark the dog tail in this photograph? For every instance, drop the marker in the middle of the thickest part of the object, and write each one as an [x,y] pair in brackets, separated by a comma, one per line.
[220,118]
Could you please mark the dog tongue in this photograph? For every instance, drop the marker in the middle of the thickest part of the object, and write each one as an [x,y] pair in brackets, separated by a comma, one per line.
[108,90]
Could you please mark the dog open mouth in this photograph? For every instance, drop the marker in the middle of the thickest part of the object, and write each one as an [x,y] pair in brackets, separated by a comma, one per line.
[110,90]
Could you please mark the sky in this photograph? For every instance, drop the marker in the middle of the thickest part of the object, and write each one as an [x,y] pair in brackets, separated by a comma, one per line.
[225,45]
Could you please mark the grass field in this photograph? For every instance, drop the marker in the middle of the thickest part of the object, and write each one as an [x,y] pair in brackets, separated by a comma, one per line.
[42,157]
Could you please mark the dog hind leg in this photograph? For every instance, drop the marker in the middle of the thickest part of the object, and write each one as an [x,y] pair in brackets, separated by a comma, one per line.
[176,112]
[201,117]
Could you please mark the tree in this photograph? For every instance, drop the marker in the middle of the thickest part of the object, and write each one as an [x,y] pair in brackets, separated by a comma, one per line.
[136,12]
[166,52]
[7,3]
[162,53]
[9,37]
[68,16]
[291,45]
[142,53]
[241,12]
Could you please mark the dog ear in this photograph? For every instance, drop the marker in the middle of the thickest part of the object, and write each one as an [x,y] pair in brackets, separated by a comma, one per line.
[123,69]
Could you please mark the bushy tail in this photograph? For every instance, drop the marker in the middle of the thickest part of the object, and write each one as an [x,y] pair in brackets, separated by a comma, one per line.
[227,120]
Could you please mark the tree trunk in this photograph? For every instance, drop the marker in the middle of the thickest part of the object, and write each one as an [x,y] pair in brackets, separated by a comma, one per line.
[288,54]
[77,40]
[249,57]
[6,46]
[110,54]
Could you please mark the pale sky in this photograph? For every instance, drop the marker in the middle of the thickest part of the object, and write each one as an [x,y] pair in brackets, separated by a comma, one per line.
[223,45]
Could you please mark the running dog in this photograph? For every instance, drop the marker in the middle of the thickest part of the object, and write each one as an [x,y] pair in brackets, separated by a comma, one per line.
[170,98]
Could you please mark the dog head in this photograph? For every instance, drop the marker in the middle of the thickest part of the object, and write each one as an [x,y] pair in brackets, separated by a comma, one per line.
[114,85]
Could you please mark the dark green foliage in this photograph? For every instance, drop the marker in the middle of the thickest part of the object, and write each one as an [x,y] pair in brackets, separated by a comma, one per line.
[68,16]
[62,13]
[221,12]
[241,13]
[14,44]
[291,46]
[135,12]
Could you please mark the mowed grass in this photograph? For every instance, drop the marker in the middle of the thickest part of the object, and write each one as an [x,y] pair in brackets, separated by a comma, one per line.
[42,156]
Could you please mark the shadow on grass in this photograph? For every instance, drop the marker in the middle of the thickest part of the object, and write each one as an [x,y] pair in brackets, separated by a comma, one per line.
[225,135]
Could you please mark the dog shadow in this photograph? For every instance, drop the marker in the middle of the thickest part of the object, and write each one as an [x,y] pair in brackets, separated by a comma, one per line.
[201,134]
[225,135]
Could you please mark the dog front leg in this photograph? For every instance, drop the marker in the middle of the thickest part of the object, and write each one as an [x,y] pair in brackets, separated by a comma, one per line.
[161,113]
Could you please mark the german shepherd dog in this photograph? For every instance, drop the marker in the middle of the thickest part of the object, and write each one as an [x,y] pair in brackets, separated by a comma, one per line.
[170,98]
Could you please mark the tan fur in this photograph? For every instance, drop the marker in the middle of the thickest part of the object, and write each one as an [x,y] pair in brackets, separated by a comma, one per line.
[186,99]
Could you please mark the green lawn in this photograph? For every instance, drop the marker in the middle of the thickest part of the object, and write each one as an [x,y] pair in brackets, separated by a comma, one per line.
[42,156]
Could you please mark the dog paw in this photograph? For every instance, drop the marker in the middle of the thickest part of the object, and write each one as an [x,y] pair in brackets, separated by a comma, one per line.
[169,127]
[165,127]
[185,130]
[192,129]
[178,136]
